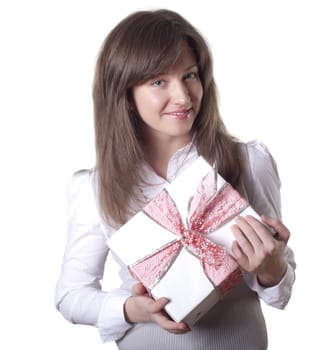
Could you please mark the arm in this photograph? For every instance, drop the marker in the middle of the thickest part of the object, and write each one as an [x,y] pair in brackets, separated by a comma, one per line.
[79,296]
[268,261]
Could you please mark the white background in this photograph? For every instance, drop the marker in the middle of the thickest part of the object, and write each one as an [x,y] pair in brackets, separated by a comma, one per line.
[264,66]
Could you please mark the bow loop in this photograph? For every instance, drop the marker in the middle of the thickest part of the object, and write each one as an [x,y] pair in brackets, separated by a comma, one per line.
[208,209]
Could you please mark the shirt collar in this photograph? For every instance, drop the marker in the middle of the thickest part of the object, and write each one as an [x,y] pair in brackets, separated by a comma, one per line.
[178,162]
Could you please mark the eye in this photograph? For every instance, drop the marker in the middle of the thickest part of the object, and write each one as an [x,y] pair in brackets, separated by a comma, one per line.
[158,83]
[191,76]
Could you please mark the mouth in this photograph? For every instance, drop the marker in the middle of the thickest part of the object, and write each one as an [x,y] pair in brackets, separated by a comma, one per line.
[181,114]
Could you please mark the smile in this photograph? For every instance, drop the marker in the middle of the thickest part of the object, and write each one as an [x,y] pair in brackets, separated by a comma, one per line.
[180,114]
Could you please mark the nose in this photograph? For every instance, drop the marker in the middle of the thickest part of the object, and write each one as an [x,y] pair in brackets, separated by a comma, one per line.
[180,93]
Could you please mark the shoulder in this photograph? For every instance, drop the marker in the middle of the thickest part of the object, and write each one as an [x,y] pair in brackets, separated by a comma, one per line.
[261,178]
[82,179]
[259,160]
[82,194]
[82,176]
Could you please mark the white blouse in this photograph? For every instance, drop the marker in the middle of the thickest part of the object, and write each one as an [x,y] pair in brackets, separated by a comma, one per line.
[79,295]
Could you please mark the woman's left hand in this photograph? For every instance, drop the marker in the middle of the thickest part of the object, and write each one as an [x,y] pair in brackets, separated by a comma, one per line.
[256,250]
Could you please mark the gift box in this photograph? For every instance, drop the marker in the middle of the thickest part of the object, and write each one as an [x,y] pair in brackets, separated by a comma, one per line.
[179,245]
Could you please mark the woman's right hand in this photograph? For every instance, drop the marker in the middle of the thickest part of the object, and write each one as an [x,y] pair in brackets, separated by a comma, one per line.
[140,308]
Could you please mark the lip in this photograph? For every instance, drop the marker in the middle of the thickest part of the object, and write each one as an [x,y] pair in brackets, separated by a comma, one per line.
[180,114]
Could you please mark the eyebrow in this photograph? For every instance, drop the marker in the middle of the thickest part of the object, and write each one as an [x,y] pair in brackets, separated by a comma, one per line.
[192,66]
[185,70]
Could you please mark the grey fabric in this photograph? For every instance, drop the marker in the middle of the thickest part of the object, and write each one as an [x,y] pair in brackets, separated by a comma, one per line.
[235,323]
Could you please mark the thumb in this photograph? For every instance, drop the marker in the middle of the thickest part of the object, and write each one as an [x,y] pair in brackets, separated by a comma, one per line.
[138,289]
[282,232]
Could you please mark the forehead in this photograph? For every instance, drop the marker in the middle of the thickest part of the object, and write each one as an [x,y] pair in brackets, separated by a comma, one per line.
[186,60]
[149,62]
[187,57]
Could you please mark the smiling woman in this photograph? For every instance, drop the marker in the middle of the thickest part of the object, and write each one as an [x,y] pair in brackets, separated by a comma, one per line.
[142,47]
[156,111]
[168,106]
[173,96]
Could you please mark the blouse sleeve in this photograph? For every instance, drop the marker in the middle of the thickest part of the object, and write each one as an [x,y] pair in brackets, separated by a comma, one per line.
[262,185]
[79,296]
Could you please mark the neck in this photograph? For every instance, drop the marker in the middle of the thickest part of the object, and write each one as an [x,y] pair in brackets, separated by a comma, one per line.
[159,152]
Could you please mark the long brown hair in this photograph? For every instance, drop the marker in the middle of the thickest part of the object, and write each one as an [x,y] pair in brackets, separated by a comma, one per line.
[144,45]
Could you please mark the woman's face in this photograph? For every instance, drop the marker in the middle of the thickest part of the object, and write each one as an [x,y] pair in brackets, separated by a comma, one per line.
[169,103]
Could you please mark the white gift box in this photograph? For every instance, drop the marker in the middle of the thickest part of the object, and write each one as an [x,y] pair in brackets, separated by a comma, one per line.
[192,269]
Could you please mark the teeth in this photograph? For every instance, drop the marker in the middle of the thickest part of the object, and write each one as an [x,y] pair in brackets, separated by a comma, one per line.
[181,113]
[184,114]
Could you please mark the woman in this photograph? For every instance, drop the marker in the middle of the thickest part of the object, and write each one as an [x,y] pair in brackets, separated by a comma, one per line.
[155,111]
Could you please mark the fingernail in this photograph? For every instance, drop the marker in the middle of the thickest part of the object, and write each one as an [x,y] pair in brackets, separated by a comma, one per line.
[185,327]
[164,300]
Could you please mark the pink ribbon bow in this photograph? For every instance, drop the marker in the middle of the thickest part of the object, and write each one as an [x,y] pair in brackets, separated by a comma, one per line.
[208,210]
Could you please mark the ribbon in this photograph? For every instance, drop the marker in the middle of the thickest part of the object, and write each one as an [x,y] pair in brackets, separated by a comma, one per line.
[208,210]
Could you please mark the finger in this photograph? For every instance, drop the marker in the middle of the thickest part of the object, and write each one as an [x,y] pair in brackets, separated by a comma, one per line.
[242,239]
[173,327]
[283,233]
[155,306]
[239,256]
[262,233]
[179,331]
[139,289]
[249,226]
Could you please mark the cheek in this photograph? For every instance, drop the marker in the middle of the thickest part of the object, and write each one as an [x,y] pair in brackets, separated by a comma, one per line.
[150,102]
[200,92]
[196,92]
